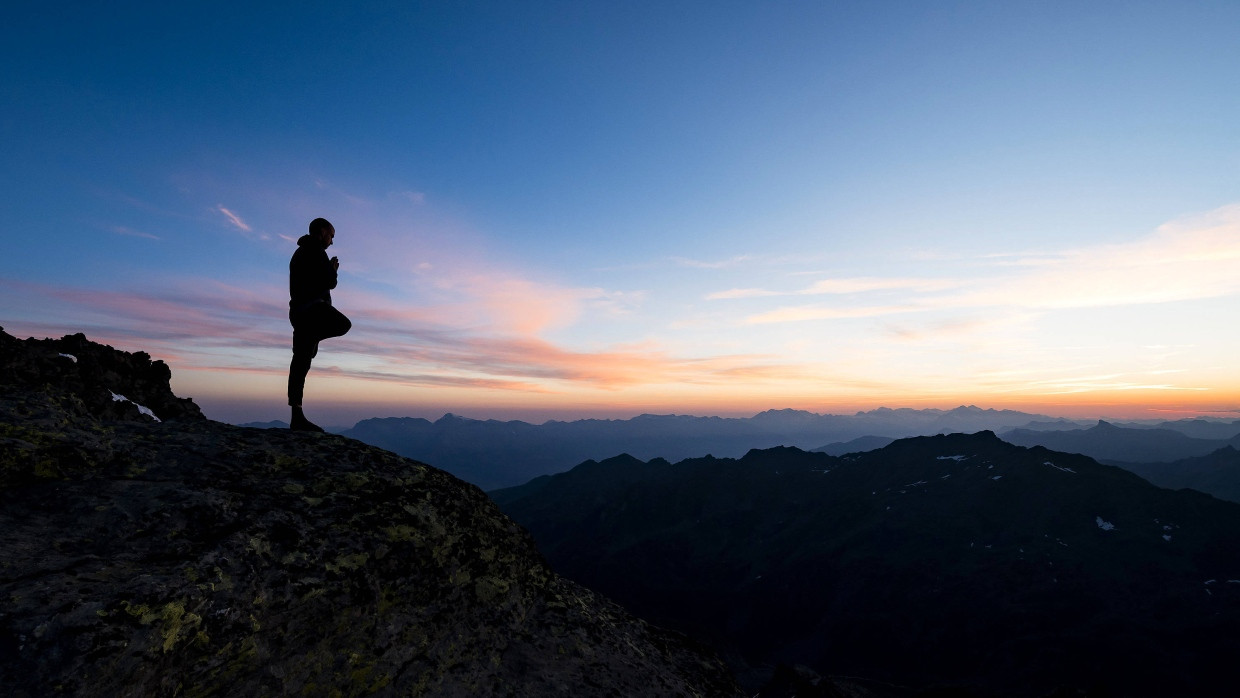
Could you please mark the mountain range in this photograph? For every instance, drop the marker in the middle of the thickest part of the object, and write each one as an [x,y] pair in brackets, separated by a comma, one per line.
[1109,442]
[954,562]
[494,454]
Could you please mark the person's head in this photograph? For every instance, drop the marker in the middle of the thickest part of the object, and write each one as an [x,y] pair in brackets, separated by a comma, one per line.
[323,230]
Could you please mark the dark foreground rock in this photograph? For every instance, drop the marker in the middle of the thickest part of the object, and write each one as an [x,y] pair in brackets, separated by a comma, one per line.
[187,557]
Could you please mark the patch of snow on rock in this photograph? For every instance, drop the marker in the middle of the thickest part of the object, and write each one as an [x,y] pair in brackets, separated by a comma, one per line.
[1104,525]
[70,357]
[1060,467]
[955,458]
[141,408]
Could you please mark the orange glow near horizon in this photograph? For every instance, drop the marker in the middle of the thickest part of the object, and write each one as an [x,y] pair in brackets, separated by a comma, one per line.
[259,396]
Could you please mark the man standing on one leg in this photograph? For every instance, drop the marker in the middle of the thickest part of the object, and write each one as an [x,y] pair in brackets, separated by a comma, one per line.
[311,278]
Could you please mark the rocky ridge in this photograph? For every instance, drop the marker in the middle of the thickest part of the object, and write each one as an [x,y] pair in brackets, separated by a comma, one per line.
[948,563]
[192,558]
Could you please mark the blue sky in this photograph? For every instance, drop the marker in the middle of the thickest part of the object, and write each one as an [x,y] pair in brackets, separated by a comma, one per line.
[559,209]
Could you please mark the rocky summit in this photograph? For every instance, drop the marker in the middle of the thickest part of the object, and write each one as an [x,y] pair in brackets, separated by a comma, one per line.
[148,551]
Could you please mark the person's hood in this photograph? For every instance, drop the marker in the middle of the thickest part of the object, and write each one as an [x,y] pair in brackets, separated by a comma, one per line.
[308,240]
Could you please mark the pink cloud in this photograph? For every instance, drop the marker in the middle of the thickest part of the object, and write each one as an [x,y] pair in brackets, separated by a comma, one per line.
[234,219]
[214,327]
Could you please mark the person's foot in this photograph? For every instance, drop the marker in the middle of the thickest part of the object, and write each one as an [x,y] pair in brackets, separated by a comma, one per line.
[300,423]
[304,424]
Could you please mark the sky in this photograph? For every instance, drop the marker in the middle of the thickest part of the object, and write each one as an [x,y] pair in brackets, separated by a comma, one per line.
[557,210]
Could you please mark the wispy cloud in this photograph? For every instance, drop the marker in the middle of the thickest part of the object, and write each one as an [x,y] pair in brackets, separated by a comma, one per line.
[715,264]
[820,312]
[1192,258]
[414,197]
[216,327]
[843,286]
[1104,384]
[171,320]
[1189,259]
[518,305]
[735,293]
[130,232]
[234,219]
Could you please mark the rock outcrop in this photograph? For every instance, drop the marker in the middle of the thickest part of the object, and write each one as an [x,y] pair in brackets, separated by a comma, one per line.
[192,558]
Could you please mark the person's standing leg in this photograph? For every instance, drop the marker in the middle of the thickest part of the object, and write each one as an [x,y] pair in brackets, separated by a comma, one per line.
[314,324]
[305,348]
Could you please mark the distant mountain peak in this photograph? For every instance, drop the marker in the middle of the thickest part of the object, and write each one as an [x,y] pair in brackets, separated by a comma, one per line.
[450,418]
[984,437]
[785,412]
[620,461]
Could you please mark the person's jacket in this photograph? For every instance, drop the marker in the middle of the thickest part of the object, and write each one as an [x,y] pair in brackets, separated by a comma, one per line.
[311,276]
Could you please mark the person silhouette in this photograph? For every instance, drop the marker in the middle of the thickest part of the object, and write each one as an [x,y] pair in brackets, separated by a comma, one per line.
[311,278]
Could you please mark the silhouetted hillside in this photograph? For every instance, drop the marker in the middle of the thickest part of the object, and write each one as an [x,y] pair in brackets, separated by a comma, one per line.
[274,424]
[857,445]
[1217,474]
[939,561]
[184,557]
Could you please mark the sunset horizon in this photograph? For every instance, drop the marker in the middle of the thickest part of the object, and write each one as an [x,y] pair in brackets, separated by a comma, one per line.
[579,210]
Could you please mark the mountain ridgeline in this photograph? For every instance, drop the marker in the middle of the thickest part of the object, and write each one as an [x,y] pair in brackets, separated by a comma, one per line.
[1109,442]
[493,454]
[948,561]
[1189,454]
[148,551]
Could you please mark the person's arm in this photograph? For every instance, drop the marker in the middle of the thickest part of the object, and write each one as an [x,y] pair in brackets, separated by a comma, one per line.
[330,269]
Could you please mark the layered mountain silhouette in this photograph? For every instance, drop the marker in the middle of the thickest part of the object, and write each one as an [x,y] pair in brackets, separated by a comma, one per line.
[1109,442]
[493,454]
[955,561]
[148,551]
[1196,428]
[1165,454]
[857,445]
[1217,474]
